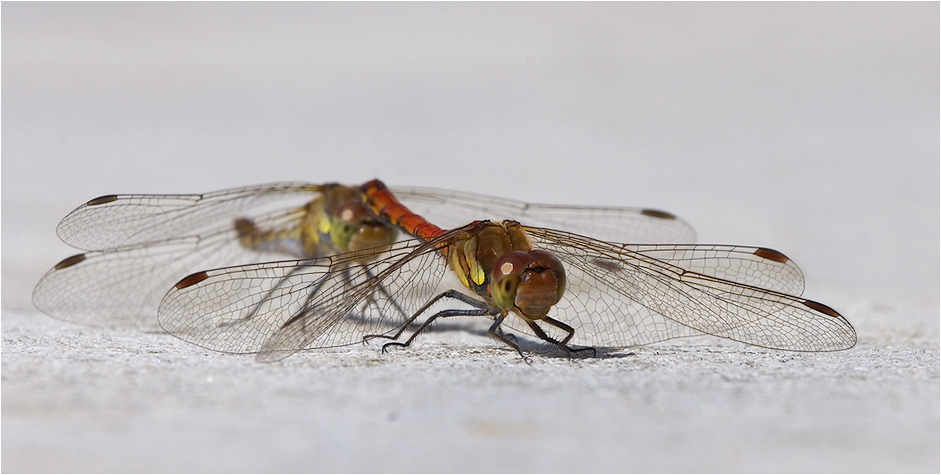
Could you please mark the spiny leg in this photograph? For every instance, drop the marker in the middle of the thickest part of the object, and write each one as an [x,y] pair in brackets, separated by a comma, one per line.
[476,312]
[448,294]
[563,343]
[497,333]
[508,336]
[541,334]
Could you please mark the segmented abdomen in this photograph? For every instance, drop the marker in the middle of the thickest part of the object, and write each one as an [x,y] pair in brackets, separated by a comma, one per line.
[382,203]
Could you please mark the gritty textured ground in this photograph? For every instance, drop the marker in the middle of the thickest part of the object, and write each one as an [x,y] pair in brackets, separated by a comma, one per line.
[87,400]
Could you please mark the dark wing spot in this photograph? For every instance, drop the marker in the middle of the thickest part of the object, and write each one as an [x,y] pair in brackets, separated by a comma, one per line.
[653,213]
[192,279]
[771,255]
[70,261]
[822,308]
[102,200]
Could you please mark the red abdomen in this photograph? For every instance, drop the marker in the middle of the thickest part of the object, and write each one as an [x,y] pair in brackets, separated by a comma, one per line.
[382,203]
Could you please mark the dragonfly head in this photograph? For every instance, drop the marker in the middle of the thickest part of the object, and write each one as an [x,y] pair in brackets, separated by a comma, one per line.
[353,229]
[531,282]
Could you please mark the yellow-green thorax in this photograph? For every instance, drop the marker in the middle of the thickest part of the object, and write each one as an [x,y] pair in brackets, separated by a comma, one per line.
[474,253]
[333,222]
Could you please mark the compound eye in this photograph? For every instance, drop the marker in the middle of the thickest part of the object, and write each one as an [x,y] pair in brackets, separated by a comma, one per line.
[548,262]
[529,282]
[505,278]
[351,212]
[511,263]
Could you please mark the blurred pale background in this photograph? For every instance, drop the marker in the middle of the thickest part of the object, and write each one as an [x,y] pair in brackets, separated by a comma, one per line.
[810,128]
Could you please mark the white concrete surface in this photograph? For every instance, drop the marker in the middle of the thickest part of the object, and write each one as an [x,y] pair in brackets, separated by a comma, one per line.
[808,128]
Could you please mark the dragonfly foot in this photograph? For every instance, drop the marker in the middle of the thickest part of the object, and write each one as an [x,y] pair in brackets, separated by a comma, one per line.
[370,337]
[571,350]
[392,343]
[512,338]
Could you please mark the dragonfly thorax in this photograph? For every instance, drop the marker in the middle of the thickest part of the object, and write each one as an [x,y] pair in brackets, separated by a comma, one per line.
[498,263]
[351,228]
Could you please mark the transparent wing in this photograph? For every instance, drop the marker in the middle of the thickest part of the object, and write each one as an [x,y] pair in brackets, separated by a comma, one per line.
[622,295]
[618,295]
[121,220]
[748,265]
[450,209]
[142,244]
[279,308]
[124,285]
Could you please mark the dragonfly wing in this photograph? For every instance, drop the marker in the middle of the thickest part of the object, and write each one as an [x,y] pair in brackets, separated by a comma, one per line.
[121,220]
[278,308]
[619,296]
[449,209]
[755,266]
[234,309]
[402,282]
[123,286]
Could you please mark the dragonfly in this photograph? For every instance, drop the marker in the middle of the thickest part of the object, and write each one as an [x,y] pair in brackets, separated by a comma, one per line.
[137,246]
[561,287]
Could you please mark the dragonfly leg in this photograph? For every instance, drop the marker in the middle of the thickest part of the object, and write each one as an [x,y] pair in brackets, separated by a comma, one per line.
[305,309]
[370,300]
[476,312]
[508,336]
[453,294]
[541,334]
[385,293]
[497,333]
[348,283]
[563,343]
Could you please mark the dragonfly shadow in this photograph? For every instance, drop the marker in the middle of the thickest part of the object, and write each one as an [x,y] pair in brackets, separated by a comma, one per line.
[535,347]
[472,326]
[549,350]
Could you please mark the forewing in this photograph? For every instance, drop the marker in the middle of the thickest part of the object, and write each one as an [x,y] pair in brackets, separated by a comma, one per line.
[449,209]
[622,295]
[121,220]
[754,266]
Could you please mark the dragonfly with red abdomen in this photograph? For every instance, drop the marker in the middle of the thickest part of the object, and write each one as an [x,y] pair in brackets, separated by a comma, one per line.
[564,288]
[137,246]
